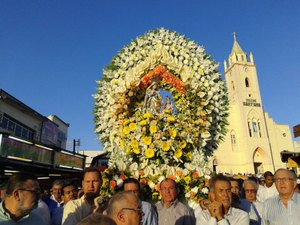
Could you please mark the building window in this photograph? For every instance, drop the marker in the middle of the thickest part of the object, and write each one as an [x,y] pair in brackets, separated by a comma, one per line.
[232,85]
[249,129]
[259,128]
[247,82]
[16,127]
[233,139]
[254,125]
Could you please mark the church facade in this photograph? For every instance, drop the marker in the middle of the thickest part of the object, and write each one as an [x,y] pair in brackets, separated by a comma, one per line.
[253,141]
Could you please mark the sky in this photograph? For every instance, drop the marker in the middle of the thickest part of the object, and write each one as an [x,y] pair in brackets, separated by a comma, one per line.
[52,52]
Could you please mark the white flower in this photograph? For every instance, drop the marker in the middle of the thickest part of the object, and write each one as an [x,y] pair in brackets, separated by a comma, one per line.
[161,178]
[205,190]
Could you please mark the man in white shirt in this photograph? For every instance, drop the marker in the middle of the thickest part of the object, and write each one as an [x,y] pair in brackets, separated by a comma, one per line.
[256,207]
[285,207]
[268,190]
[220,211]
[76,210]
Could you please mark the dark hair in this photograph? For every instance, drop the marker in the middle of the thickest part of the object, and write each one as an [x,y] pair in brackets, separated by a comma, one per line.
[18,181]
[268,174]
[92,170]
[66,184]
[97,219]
[130,180]
[219,177]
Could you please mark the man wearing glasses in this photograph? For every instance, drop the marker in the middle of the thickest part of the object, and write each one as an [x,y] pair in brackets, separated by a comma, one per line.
[22,195]
[125,209]
[150,215]
[76,210]
[256,207]
[285,207]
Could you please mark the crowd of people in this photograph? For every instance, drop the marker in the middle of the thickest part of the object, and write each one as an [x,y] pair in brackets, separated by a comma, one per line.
[273,200]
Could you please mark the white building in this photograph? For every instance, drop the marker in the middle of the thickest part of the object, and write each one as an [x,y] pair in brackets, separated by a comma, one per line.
[254,141]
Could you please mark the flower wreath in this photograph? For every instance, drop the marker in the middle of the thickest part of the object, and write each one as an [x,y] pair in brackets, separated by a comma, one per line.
[170,143]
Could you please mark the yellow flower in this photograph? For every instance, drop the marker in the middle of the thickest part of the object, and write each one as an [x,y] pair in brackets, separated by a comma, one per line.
[165,146]
[167,111]
[122,143]
[153,129]
[147,115]
[182,144]
[170,119]
[188,156]
[147,140]
[137,150]
[126,130]
[126,122]
[134,143]
[128,149]
[143,122]
[187,179]
[132,126]
[173,133]
[149,153]
[178,153]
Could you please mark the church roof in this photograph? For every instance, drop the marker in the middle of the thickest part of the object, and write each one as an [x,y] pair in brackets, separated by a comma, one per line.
[236,48]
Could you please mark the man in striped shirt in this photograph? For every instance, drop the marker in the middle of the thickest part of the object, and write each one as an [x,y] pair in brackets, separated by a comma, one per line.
[285,207]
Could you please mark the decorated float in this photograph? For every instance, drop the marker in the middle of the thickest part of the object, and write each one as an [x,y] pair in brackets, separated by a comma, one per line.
[160,111]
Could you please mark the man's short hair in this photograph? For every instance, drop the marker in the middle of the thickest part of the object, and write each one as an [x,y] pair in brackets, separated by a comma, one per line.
[66,184]
[58,182]
[118,201]
[249,181]
[219,177]
[92,170]
[131,180]
[288,171]
[18,181]
[97,219]
[268,174]
[168,179]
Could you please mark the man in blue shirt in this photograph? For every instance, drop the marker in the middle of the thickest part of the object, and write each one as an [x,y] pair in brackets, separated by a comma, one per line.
[68,192]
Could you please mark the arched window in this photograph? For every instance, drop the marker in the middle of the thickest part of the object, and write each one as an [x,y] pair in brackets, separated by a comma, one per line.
[247,82]
[259,128]
[233,138]
[249,128]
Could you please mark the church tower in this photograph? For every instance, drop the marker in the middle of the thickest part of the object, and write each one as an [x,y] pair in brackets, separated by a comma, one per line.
[249,146]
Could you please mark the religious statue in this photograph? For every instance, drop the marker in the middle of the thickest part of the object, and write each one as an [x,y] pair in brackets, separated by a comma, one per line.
[169,104]
[153,99]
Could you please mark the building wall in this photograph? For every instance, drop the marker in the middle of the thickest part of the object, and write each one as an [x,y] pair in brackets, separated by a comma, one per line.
[28,120]
[49,131]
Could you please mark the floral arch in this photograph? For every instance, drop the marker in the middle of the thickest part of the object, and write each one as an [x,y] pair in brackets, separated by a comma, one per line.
[147,138]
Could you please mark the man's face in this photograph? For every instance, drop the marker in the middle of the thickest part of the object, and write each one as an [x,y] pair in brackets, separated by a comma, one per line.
[235,187]
[56,191]
[133,187]
[133,211]
[70,193]
[269,181]
[91,184]
[285,183]
[222,192]
[250,192]
[168,191]
[29,196]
